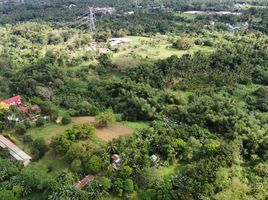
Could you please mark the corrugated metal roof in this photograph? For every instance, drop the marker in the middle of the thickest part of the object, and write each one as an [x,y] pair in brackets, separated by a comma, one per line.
[15,151]
[16,100]
[83,182]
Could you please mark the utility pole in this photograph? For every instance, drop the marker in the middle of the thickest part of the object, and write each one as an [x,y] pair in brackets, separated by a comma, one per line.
[136,6]
[91,19]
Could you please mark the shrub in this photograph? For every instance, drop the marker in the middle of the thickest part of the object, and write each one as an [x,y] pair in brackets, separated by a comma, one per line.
[40,122]
[94,164]
[106,118]
[20,129]
[27,124]
[27,139]
[39,148]
[261,92]
[262,104]
[66,120]
[183,44]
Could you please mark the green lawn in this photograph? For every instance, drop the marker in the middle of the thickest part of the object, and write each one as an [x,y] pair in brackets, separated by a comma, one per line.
[135,125]
[153,48]
[48,131]
[166,172]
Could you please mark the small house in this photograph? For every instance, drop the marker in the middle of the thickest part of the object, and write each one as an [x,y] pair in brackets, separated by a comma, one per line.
[116,162]
[118,41]
[13,101]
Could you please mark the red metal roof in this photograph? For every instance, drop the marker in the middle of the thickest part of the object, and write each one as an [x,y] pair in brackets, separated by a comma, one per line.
[83,182]
[16,100]
[115,157]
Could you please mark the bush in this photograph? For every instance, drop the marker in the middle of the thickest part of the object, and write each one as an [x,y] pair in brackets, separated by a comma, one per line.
[105,119]
[40,122]
[27,139]
[27,124]
[66,120]
[262,104]
[94,164]
[39,148]
[183,44]
[261,92]
[20,129]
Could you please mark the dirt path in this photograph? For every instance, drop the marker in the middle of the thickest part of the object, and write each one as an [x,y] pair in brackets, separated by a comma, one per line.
[108,133]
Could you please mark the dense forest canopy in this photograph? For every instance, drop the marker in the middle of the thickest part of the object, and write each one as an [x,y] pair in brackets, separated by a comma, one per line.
[155,103]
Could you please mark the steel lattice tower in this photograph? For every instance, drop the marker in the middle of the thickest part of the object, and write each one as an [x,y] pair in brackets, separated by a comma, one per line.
[91,19]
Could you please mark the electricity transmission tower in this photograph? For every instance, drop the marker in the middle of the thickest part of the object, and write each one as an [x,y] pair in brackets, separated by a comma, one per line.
[87,19]
[91,19]
[136,3]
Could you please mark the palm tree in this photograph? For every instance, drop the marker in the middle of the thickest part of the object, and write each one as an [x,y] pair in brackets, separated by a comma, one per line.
[112,147]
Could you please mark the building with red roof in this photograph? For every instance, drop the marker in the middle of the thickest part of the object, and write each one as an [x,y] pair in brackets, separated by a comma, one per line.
[83,182]
[116,162]
[13,101]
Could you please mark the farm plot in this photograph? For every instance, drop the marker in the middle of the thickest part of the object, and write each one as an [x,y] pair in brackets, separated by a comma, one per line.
[108,133]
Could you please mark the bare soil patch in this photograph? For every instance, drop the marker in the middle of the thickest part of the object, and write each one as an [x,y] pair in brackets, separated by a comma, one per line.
[108,133]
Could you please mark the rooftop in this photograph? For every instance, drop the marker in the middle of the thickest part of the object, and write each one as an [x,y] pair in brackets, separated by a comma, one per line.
[15,99]
[83,182]
[15,151]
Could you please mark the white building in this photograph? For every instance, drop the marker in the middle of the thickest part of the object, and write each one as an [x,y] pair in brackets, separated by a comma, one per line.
[118,41]
[15,151]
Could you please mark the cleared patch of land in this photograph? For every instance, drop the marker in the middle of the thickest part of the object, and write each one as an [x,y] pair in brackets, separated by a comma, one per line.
[108,133]
[154,48]
[48,131]
[166,172]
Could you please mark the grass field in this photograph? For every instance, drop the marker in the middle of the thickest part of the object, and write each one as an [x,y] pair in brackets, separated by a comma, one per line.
[48,131]
[166,172]
[151,48]
[136,125]
[106,134]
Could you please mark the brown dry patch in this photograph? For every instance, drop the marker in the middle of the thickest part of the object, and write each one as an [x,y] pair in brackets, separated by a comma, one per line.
[84,120]
[108,133]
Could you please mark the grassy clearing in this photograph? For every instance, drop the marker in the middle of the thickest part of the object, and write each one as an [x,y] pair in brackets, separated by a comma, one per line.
[186,15]
[62,112]
[166,172]
[137,126]
[152,48]
[48,131]
[51,160]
